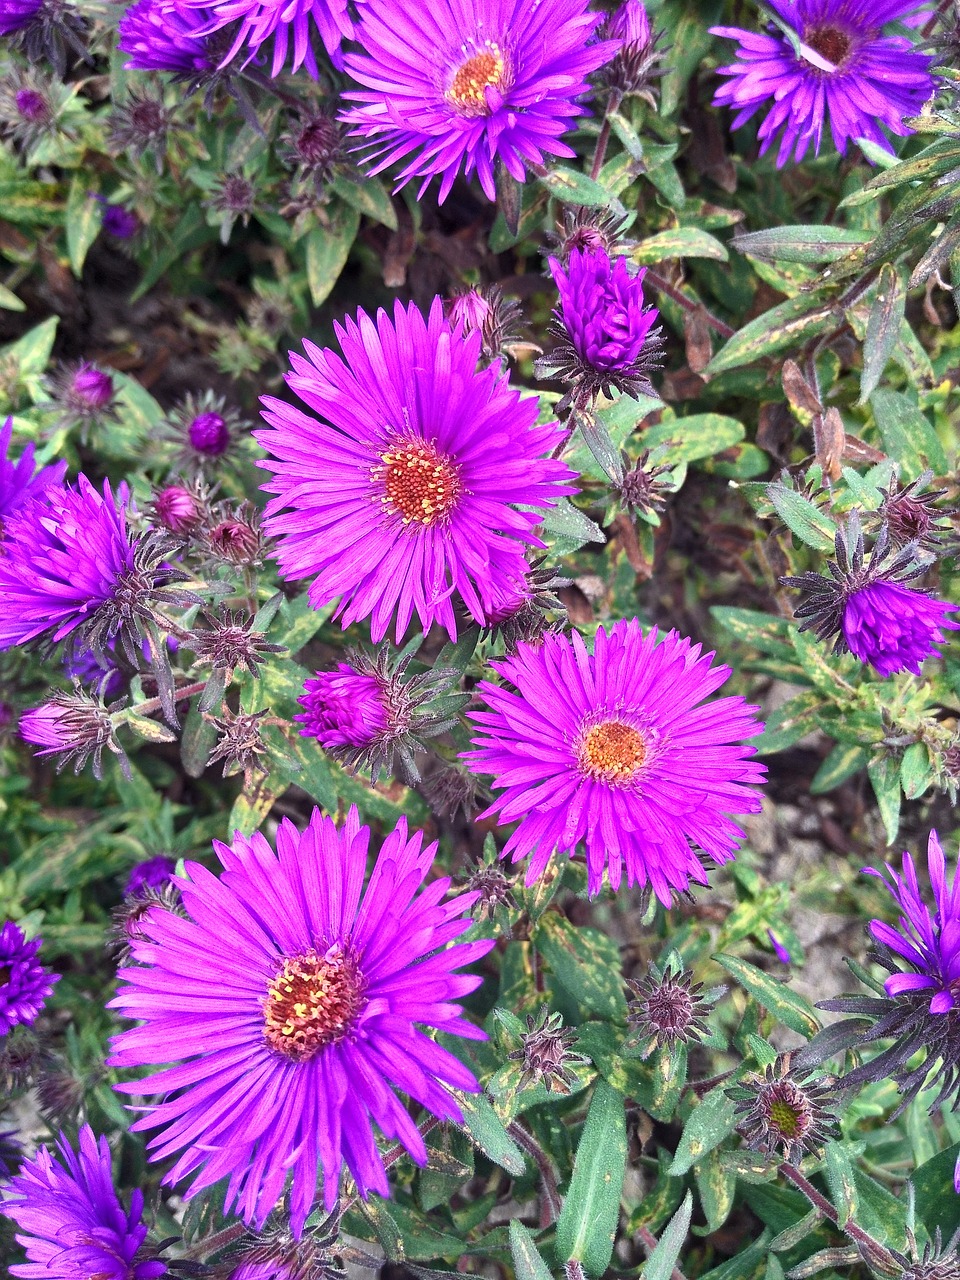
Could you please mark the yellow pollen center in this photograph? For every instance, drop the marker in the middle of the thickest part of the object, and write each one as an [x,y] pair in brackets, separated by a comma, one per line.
[311,1002]
[611,752]
[420,483]
[468,89]
[785,1119]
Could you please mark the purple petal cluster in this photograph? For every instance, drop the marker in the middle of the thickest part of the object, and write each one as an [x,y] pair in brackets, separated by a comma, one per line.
[343,708]
[19,482]
[292,999]
[65,554]
[152,873]
[602,311]
[166,35]
[71,1221]
[17,14]
[894,627]
[616,749]
[24,982]
[459,84]
[421,480]
[846,71]
[289,23]
[928,941]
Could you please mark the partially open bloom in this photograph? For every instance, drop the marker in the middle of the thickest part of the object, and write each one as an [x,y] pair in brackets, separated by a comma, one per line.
[784,1112]
[615,749]
[293,1000]
[844,69]
[19,481]
[423,479]
[343,708]
[24,982]
[71,727]
[154,873]
[289,24]
[459,84]
[85,391]
[634,66]
[867,607]
[605,335]
[71,1221]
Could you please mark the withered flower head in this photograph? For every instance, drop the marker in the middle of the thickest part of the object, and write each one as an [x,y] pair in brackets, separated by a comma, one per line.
[546,1053]
[667,1008]
[449,789]
[911,516]
[234,196]
[231,642]
[645,485]
[139,125]
[782,1112]
[241,746]
[495,891]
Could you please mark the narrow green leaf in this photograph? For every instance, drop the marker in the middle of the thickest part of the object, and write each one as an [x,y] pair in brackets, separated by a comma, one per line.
[916,770]
[661,1262]
[587,1225]
[585,962]
[576,188]
[808,522]
[369,197]
[809,244]
[840,1179]
[884,777]
[842,763]
[485,1130]
[710,1122]
[9,300]
[568,522]
[883,328]
[699,435]
[938,1205]
[680,242]
[784,325]
[716,1186]
[83,220]
[907,434]
[527,1262]
[327,251]
[788,1007]
[32,351]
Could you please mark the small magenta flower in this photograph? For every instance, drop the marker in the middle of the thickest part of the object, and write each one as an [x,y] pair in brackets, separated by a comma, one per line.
[616,750]
[420,481]
[208,433]
[24,982]
[71,727]
[928,941]
[459,84]
[289,23]
[19,481]
[71,1221]
[343,708]
[154,873]
[779,950]
[177,508]
[90,390]
[605,334]
[291,986]
[842,68]
[17,14]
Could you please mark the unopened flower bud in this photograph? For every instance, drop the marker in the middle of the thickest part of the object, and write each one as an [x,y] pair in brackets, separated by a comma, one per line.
[547,1053]
[177,509]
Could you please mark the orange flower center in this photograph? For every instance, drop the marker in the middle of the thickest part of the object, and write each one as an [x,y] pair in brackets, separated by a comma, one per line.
[468,89]
[311,1002]
[421,484]
[830,42]
[611,752]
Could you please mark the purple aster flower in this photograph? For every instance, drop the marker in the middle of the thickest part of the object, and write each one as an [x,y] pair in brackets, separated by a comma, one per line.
[286,21]
[616,749]
[343,708]
[407,491]
[154,873]
[71,1221]
[928,942]
[18,480]
[121,223]
[24,982]
[846,68]
[17,14]
[167,35]
[894,627]
[293,1000]
[72,727]
[65,555]
[605,335]
[460,83]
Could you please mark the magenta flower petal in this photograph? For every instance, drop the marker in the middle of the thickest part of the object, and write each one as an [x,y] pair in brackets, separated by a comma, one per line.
[24,982]
[616,750]
[19,482]
[290,1000]
[421,479]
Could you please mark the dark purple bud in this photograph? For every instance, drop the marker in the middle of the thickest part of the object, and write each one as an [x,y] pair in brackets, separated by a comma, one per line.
[208,433]
[781,952]
[32,105]
[120,222]
[151,874]
[90,389]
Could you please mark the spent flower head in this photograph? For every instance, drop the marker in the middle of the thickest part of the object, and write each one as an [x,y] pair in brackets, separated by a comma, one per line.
[140,125]
[668,1008]
[313,145]
[206,432]
[911,516]
[784,1112]
[230,641]
[546,1053]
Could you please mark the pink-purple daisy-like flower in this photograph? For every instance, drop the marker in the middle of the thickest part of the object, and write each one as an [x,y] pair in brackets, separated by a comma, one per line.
[19,482]
[928,941]
[292,999]
[845,69]
[616,749]
[24,982]
[605,334]
[71,1221]
[459,84]
[895,627]
[289,23]
[65,554]
[423,481]
[343,708]
[167,35]
[17,14]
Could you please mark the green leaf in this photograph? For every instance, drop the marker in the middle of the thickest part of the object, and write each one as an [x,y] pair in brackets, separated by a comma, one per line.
[884,775]
[567,522]
[572,187]
[808,244]
[938,1205]
[9,300]
[716,1186]
[680,242]
[661,1262]
[907,434]
[842,763]
[484,1128]
[327,251]
[84,218]
[788,1007]
[808,522]
[585,962]
[785,325]
[710,1122]
[250,809]
[916,770]
[840,1178]
[587,1225]
[700,435]
[883,329]
[527,1262]
[32,351]
[369,197]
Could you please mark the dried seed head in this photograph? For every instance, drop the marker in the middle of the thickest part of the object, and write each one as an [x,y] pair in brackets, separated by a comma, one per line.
[139,125]
[450,790]
[546,1053]
[645,485]
[782,1112]
[667,1009]
[495,891]
[231,642]
[911,516]
[241,746]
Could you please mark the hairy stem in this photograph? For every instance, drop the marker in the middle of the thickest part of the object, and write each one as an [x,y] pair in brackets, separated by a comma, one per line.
[528,1142]
[656,281]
